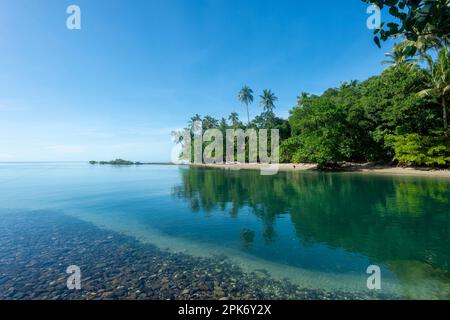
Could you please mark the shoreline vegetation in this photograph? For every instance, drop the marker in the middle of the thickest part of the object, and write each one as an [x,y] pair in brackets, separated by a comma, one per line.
[388,118]
[121,162]
[398,116]
[345,167]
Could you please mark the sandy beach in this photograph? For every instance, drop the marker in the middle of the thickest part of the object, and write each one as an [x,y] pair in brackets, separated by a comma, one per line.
[363,168]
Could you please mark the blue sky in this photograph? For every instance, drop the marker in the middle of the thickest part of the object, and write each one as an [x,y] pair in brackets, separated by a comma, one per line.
[139,69]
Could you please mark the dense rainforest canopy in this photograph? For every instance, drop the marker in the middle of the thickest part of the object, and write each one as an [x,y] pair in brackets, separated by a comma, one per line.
[398,116]
[366,121]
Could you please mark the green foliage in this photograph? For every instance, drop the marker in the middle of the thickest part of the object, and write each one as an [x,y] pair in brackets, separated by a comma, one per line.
[268,120]
[358,121]
[420,150]
[117,162]
[391,105]
[268,100]
[439,71]
[210,123]
[234,120]
[315,149]
[246,97]
[350,123]
[425,22]
[321,126]
[288,148]
[400,55]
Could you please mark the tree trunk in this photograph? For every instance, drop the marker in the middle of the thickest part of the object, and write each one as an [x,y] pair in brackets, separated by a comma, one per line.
[248,114]
[444,115]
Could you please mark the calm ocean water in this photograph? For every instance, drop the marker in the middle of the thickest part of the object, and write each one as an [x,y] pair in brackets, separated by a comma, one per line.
[319,230]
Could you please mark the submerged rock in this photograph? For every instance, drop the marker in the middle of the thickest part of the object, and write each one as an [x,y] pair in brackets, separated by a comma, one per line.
[33,266]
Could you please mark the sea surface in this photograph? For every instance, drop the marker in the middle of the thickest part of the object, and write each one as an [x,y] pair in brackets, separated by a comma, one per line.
[297,234]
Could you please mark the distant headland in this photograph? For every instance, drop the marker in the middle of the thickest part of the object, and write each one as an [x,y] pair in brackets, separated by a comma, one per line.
[121,162]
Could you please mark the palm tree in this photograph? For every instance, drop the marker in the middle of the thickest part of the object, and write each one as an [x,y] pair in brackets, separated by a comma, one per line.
[210,123]
[223,124]
[177,136]
[348,84]
[234,119]
[399,56]
[440,81]
[268,99]
[246,96]
[194,119]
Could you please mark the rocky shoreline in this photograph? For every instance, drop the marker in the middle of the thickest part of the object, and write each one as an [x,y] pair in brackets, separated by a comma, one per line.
[37,247]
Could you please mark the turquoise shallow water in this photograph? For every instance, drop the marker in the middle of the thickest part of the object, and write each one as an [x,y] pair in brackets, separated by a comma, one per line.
[317,229]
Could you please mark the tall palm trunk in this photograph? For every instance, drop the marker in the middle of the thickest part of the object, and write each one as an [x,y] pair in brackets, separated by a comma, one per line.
[248,114]
[444,115]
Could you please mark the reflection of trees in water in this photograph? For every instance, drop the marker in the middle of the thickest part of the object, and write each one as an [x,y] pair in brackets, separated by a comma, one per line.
[385,218]
[209,189]
[247,237]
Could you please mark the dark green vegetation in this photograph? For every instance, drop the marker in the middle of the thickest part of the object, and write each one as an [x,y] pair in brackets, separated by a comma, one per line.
[117,162]
[266,120]
[398,116]
[370,120]
[121,162]
[424,22]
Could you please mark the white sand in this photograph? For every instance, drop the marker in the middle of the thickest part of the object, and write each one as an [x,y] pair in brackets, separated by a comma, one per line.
[356,168]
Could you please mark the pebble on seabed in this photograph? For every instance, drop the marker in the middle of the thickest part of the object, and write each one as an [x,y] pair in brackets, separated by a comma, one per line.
[36,247]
